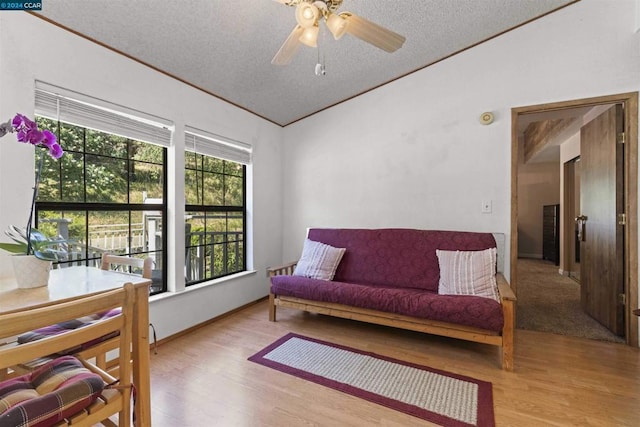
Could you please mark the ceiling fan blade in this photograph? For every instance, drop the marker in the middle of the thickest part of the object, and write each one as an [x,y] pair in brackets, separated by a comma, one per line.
[372,33]
[289,47]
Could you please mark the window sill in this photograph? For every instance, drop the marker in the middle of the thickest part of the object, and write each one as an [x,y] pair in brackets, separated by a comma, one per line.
[192,288]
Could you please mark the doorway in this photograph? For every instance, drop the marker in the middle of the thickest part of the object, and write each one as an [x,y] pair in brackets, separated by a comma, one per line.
[629,105]
[572,211]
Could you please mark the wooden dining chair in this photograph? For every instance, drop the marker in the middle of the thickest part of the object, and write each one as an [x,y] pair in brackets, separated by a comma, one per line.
[127,264]
[95,349]
[67,390]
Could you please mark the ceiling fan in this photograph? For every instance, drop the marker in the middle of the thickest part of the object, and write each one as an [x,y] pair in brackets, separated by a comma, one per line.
[310,12]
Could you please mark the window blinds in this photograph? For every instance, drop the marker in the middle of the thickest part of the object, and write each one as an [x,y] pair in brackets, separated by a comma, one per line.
[67,106]
[209,144]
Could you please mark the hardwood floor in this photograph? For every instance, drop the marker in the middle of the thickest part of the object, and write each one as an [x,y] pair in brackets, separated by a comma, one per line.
[204,379]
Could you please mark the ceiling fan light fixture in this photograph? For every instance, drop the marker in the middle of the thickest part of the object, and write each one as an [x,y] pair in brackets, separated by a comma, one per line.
[307,14]
[310,36]
[337,25]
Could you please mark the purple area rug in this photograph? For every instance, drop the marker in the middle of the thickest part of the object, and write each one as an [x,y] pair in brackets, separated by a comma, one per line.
[437,396]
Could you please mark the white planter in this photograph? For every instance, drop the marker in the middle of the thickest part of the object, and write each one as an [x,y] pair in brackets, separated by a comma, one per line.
[31,272]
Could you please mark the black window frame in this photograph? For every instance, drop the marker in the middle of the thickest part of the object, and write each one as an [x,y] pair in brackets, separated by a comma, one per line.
[213,209]
[159,284]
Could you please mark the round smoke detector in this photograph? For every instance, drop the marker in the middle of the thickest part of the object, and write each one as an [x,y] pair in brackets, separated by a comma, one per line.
[486,118]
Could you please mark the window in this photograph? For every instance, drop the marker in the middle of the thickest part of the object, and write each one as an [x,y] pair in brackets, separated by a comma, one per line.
[107,193]
[215,194]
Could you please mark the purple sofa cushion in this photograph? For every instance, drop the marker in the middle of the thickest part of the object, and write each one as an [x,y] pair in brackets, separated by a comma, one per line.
[466,310]
[396,257]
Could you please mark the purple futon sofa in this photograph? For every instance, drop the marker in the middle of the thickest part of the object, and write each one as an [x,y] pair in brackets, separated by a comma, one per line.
[392,276]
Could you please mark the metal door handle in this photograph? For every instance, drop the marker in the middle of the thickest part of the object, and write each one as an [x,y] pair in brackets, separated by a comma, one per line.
[581,224]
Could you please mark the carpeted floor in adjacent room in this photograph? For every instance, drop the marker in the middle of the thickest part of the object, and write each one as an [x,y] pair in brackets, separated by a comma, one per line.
[550,302]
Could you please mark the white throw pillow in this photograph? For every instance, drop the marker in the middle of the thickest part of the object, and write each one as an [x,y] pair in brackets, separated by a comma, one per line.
[318,261]
[468,273]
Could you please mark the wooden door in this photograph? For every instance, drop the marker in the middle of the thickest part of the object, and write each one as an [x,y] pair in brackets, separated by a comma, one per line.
[601,201]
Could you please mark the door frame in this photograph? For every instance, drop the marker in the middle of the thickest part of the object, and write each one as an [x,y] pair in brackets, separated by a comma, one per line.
[568,219]
[630,104]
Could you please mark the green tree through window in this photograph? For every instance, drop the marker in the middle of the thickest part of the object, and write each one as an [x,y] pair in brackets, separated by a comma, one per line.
[216,216]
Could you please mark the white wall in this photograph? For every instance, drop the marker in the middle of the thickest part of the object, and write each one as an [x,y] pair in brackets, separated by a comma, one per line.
[32,49]
[413,154]
[538,185]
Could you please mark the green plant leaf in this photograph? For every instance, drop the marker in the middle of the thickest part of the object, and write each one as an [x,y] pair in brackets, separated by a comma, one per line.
[42,247]
[47,256]
[14,248]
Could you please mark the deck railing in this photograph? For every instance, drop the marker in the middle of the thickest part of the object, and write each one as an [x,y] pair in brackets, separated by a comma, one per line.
[207,254]
[212,254]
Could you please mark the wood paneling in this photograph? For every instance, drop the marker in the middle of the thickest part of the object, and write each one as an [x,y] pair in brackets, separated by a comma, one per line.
[204,378]
[538,134]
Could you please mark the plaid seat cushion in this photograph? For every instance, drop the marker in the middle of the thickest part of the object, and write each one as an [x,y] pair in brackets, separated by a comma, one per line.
[49,394]
[63,327]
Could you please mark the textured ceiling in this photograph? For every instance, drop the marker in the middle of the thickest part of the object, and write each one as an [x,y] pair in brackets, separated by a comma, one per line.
[225,47]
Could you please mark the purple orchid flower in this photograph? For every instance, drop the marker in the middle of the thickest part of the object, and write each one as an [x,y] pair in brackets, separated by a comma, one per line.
[34,136]
[48,138]
[18,121]
[28,132]
[55,150]
[23,123]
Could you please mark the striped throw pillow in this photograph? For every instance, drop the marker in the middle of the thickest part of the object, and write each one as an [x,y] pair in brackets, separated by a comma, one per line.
[468,273]
[318,261]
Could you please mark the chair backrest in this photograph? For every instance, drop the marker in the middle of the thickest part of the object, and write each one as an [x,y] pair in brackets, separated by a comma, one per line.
[20,321]
[144,264]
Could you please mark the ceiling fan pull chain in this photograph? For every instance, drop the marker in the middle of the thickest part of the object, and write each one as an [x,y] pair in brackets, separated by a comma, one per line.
[320,66]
